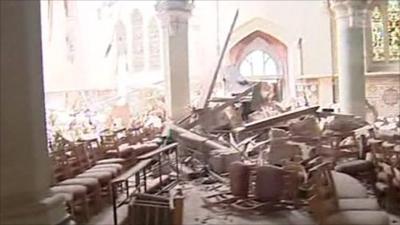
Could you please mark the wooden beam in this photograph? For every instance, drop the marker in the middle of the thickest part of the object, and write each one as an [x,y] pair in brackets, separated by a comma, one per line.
[270,121]
[214,78]
[205,113]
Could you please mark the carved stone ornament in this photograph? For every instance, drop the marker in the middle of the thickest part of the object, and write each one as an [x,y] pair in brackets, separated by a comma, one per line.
[354,11]
[174,15]
[391,97]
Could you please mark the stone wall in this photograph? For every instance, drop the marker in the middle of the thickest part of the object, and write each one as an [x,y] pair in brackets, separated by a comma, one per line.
[382,92]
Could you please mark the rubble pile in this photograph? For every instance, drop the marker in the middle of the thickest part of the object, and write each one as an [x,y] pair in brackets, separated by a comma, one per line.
[265,162]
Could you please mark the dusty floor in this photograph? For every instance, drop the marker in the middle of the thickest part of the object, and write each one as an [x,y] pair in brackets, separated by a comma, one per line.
[196,214]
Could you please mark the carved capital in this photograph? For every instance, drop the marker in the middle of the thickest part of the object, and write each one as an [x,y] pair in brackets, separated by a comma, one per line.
[174,14]
[354,11]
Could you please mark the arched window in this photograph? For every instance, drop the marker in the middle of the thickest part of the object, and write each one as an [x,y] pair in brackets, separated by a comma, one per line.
[258,63]
[154,45]
[137,41]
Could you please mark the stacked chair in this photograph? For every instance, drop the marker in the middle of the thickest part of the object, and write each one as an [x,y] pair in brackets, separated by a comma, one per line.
[83,170]
[387,163]
[329,208]
[81,180]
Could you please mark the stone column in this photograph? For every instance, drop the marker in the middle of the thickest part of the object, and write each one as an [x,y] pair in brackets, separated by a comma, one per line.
[350,18]
[25,169]
[174,16]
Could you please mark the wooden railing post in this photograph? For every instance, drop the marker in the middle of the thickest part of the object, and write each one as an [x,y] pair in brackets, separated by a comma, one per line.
[178,208]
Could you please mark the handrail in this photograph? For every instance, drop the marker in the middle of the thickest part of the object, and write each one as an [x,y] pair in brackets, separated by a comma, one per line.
[157,151]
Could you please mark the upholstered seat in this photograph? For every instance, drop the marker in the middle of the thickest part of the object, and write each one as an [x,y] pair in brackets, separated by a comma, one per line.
[348,187]
[355,166]
[68,197]
[77,191]
[103,176]
[114,171]
[123,152]
[117,166]
[358,218]
[88,182]
[109,161]
[358,204]
[144,148]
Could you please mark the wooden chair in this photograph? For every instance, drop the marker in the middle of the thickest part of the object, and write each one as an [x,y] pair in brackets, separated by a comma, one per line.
[79,193]
[102,173]
[387,186]
[92,148]
[76,199]
[135,135]
[327,209]
[354,154]
[115,147]
[145,209]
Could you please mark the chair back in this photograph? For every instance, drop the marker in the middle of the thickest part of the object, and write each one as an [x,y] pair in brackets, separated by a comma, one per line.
[93,150]
[323,200]
[146,209]
[60,166]
[80,155]
[108,140]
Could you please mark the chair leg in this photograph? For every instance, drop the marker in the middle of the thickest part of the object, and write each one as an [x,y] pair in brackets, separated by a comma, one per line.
[86,210]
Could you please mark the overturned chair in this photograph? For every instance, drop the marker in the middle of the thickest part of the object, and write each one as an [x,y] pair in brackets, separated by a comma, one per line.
[147,209]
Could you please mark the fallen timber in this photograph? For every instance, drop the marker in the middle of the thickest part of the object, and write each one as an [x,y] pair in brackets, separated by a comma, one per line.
[206,113]
[274,120]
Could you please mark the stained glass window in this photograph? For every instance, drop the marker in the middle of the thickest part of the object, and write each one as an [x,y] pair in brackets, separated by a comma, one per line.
[154,45]
[137,41]
[120,34]
[393,28]
[377,27]
[258,63]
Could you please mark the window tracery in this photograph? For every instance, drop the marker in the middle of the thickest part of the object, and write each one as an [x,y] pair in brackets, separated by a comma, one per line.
[137,41]
[258,63]
[154,45]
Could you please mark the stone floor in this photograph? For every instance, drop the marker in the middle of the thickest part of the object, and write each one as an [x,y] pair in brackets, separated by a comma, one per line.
[196,214]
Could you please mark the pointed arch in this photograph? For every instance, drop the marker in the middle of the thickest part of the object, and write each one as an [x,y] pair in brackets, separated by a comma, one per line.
[265,26]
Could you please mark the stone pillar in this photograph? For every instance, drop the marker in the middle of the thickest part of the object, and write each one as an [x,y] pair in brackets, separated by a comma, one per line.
[174,16]
[25,170]
[350,18]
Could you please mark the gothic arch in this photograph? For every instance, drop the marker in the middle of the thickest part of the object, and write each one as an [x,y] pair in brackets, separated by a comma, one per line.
[284,44]
[265,26]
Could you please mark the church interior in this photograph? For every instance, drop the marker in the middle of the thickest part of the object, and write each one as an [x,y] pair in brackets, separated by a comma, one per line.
[187,112]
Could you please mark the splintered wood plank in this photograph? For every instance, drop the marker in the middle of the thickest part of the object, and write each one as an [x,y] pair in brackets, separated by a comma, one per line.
[206,113]
[270,121]
[214,78]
